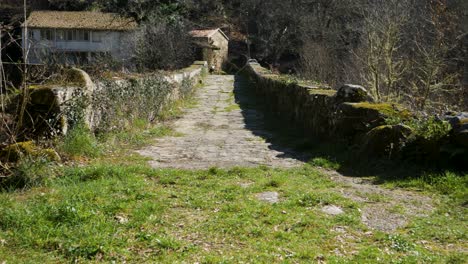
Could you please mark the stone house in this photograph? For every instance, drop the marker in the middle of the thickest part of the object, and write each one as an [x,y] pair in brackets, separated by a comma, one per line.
[212,46]
[75,37]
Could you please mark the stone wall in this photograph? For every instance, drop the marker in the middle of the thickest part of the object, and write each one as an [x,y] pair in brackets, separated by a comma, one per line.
[350,116]
[319,110]
[54,108]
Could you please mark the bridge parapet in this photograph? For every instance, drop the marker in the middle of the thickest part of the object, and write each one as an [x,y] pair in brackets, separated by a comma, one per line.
[350,116]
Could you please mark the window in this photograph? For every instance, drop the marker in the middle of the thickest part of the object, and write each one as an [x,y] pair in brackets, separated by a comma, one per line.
[70,35]
[47,34]
[98,36]
[82,35]
[61,35]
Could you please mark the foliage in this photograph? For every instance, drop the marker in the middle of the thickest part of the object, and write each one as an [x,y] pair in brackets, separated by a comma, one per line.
[74,110]
[432,128]
[118,103]
[161,44]
[70,5]
[29,172]
[326,163]
[80,142]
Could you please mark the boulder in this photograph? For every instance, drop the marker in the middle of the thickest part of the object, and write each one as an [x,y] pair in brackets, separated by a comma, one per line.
[353,94]
[351,119]
[385,140]
[55,107]
[459,123]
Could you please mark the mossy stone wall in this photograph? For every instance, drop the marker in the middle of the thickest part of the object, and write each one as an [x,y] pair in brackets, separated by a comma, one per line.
[357,120]
[56,108]
[319,112]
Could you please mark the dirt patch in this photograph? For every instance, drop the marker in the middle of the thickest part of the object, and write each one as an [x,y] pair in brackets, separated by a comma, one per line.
[384,209]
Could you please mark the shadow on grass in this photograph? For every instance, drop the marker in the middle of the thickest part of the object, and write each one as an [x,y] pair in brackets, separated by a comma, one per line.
[294,143]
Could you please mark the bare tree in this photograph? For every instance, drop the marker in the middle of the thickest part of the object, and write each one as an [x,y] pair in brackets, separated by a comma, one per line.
[24,87]
[383,67]
[160,44]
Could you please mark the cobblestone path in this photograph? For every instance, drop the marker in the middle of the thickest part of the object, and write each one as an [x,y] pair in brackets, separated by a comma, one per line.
[218,132]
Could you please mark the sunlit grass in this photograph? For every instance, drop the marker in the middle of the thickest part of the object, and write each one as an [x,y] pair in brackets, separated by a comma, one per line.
[107,212]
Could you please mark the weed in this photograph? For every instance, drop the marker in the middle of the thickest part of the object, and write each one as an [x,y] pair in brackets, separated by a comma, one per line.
[375,197]
[400,244]
[80,142]
[29,172]
[326,163]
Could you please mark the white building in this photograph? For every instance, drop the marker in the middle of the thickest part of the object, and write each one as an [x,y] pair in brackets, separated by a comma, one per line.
[75,37]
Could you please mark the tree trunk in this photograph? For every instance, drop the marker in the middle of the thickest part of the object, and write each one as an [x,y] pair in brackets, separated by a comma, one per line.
[465,73]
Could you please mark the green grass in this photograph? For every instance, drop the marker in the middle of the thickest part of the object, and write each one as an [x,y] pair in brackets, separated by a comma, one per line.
[80,142]
[454,185]
[325,162]
[105,212]
[136,137]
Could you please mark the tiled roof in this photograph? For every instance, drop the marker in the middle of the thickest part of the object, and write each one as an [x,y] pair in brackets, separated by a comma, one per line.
[206,33]
[80,20]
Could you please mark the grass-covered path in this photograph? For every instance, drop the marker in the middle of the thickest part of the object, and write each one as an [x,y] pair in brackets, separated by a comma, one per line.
[224,187]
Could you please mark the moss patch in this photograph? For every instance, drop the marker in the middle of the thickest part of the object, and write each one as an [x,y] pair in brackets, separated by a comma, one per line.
[74,76]
[17,151]
[328,92]
[389,110]
[43,96]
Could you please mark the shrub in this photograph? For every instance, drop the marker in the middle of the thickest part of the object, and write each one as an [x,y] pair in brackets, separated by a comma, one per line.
[161,44]
[432,128]
[120,103]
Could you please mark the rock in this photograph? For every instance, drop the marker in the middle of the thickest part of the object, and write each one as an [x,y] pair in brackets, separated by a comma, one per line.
[245,184]
[121,219]
[332,210]
[459,123]
[17,151]
[353,119]
[269,197]
[385,140]
[353,94]
[56,107]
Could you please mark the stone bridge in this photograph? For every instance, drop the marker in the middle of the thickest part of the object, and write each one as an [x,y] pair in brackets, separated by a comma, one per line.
[259,118]
[226,128]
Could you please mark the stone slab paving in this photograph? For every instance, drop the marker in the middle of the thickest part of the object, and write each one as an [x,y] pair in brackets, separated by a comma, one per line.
[219,133]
